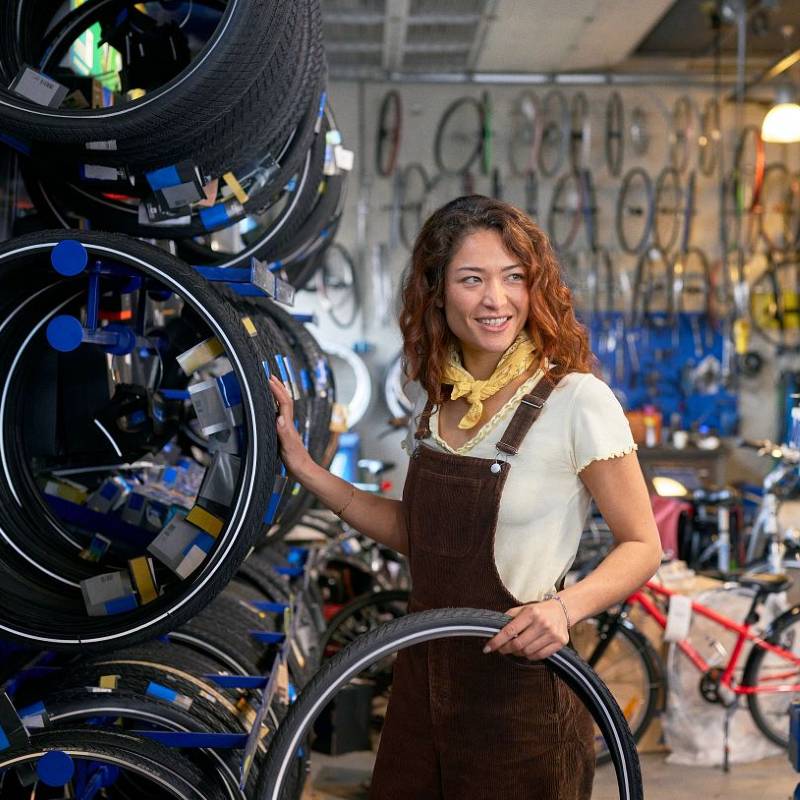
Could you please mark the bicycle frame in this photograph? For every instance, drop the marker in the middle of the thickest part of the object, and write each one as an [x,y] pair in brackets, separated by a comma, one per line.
[744,633]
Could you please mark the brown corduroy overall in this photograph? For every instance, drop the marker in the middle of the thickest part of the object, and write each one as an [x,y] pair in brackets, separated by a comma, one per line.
[462,725]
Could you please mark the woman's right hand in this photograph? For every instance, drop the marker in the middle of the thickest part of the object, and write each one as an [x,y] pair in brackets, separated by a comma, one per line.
[293,452]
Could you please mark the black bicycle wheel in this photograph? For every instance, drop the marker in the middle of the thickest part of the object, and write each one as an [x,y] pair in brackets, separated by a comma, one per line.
[627,664]
[427,626]
[635,210]
[653,289]
[668,207]
[638,131]
[526,133]
[615,134]
[414,187]
[390,125]
[460,136]
[681,133]
[566,210]
[710,139]
[361,616]
[337,286]
[771,710]
[555,133]
[580,137]
[47,573]
[147,767]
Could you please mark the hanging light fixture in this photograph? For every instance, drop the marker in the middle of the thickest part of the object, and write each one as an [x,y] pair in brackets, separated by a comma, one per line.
[782,123]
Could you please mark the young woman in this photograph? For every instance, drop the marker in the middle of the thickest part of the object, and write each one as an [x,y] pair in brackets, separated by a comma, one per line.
[513,437]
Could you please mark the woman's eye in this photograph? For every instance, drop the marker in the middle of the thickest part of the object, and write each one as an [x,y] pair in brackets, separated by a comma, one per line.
[517,276]
[471,280]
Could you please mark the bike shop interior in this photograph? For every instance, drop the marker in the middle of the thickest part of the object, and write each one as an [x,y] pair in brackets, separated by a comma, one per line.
[211,627]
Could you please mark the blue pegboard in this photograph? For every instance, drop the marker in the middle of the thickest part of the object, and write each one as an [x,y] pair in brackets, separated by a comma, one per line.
[667,353]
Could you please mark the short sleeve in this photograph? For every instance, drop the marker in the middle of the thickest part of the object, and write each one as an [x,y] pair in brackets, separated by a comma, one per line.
[599,428]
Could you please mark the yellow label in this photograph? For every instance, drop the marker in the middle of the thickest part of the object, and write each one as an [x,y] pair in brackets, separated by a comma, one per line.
[108,681]
[338,418]
[206,521]
[200,355]
[67,491]
[143,578]
[282,684]
[236,187]
[249,327]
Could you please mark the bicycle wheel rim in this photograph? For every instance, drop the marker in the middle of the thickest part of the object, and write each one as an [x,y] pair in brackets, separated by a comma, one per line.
[638,701]
[428,626]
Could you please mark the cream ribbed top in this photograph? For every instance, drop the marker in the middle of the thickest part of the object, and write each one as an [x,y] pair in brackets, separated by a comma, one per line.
[544,503]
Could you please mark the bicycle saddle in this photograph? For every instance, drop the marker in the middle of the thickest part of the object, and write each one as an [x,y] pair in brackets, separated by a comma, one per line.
[765,582]
[720,496]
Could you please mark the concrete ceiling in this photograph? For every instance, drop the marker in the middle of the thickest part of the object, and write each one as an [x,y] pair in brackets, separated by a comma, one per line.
[402,38]
[566,35]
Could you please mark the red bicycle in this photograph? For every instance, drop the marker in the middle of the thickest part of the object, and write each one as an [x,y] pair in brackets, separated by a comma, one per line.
[628,664]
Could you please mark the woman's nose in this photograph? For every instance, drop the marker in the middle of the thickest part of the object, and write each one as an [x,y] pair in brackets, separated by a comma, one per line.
[493,294]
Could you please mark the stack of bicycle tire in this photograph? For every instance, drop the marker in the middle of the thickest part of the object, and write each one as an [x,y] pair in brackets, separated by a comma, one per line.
[146,472]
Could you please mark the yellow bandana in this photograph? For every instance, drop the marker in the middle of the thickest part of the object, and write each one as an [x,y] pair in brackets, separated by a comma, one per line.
[516,360]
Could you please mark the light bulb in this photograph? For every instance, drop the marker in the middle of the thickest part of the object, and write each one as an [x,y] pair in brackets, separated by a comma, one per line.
[782,123]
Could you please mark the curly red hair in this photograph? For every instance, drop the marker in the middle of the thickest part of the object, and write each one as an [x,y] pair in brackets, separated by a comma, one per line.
[552,325]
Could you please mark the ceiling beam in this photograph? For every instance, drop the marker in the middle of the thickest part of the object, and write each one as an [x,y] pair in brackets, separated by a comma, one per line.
[395,28]
[487,18]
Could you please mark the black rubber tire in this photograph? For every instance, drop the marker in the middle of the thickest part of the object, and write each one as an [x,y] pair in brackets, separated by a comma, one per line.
[651,667]
[398,596]
[60,629]
[226,75]
[622,237]
[72,707]
[439,139]
[750,677]
[165,766]
[426,626]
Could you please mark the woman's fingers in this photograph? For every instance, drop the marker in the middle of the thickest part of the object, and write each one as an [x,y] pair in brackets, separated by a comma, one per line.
[283,398]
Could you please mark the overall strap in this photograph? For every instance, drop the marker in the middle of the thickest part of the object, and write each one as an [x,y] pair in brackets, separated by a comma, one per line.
[424,427]
[526,414]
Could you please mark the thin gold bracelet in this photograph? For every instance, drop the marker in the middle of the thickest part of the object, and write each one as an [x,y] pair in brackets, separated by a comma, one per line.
[552,596]
[347,503]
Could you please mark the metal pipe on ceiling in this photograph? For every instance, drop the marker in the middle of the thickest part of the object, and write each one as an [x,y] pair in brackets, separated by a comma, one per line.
[701,81]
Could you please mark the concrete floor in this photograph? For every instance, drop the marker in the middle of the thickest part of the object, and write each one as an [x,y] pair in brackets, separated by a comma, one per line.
[770,779]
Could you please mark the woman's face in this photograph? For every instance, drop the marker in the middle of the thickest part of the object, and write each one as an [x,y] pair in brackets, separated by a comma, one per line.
[486,298]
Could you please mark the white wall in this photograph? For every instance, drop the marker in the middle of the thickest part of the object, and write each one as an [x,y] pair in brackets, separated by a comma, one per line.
[423,105]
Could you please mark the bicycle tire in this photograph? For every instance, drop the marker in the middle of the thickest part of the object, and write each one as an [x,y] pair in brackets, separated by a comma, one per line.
[388,133]
[638,648]
[411,212]
[668,180]
[637,173]
[245,522]
[426,626]
[221,74]
[162,765]
[615,134]
[580,141]
[357,605]
[555,133]
[440,139]
[681,133]
[346,320]
[710,138]
[568,181]
[526,133]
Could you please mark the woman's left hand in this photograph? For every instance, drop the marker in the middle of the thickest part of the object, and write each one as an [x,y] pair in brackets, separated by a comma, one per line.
[537,631]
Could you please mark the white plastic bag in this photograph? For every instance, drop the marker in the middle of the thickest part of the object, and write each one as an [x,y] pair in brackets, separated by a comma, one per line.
[693,727]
